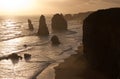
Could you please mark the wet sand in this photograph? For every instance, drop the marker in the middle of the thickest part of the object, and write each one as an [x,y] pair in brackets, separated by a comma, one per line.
[48,73]
[76,67]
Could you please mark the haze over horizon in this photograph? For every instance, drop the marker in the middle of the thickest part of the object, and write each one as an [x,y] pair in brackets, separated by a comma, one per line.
[37,7]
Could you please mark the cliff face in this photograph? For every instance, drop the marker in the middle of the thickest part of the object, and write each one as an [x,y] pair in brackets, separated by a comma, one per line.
[101,49]
[101,40]
[43,30]
[59,23]
[78,16]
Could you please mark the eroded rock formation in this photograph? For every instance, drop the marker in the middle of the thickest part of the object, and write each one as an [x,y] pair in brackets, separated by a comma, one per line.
[30,25]
[59,23]
[43,29]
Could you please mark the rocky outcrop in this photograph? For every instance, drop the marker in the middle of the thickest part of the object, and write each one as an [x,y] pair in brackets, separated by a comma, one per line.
[13,57]
[27,57]
[59,23]
[30,25]
[78,16]
[81,16]
[68,16]
[43,29]
[55,40]
[101,40]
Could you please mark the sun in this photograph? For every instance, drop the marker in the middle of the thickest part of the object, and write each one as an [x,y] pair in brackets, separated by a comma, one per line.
[14,5]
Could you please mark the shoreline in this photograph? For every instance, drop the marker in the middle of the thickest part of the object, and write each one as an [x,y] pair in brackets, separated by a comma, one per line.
[77,67]
[70,67]
[39,72]
[49,71]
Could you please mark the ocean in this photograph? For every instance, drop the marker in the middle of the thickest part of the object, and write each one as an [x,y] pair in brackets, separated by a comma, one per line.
[14,34]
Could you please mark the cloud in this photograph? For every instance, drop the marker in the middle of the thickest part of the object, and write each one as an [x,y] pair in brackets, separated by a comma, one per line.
[74,6]
[66,5]
[113,1]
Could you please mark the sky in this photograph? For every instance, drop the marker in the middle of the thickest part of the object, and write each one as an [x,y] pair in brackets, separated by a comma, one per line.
[37,7]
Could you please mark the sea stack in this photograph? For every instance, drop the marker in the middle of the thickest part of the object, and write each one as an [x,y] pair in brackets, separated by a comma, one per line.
[43,29]
[59,23]
[55,40]
[30,25]
[101,40]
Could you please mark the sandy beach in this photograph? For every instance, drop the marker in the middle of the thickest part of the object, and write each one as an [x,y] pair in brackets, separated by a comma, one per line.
[77,67]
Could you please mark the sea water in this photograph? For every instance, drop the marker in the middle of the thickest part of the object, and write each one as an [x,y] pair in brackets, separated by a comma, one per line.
[14,34]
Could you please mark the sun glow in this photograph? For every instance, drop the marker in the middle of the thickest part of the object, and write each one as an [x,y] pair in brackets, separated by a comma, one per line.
[12,6]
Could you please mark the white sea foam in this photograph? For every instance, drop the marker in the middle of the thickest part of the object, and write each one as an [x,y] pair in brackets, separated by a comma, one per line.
[13,39]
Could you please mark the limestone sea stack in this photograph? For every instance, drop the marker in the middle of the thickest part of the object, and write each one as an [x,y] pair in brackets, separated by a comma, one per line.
[30,25]
[43,29]
[59,23]
[101,40]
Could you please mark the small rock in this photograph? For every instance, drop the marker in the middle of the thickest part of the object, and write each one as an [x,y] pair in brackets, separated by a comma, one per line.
[27,57]
[55,40]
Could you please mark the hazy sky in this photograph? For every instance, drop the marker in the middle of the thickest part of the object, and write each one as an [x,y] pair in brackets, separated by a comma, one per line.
[33,7]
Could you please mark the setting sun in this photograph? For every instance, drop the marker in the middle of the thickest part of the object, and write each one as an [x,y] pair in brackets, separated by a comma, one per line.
[37,7]
[11,6]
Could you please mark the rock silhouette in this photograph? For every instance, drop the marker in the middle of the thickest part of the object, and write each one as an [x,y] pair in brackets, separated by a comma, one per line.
[25,45]
[68,16]
[27,57]
[30,25]
[14,56]
[79,16]
[55,40]
[43,30]
[59,23]
[101,39]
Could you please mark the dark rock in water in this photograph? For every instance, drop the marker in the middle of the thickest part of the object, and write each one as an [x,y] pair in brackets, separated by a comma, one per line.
[101,39]
[27,57]
[59,23]
[55,40]
[30,25]
[25,45]
[14,56]
[20,57]
[43,30]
